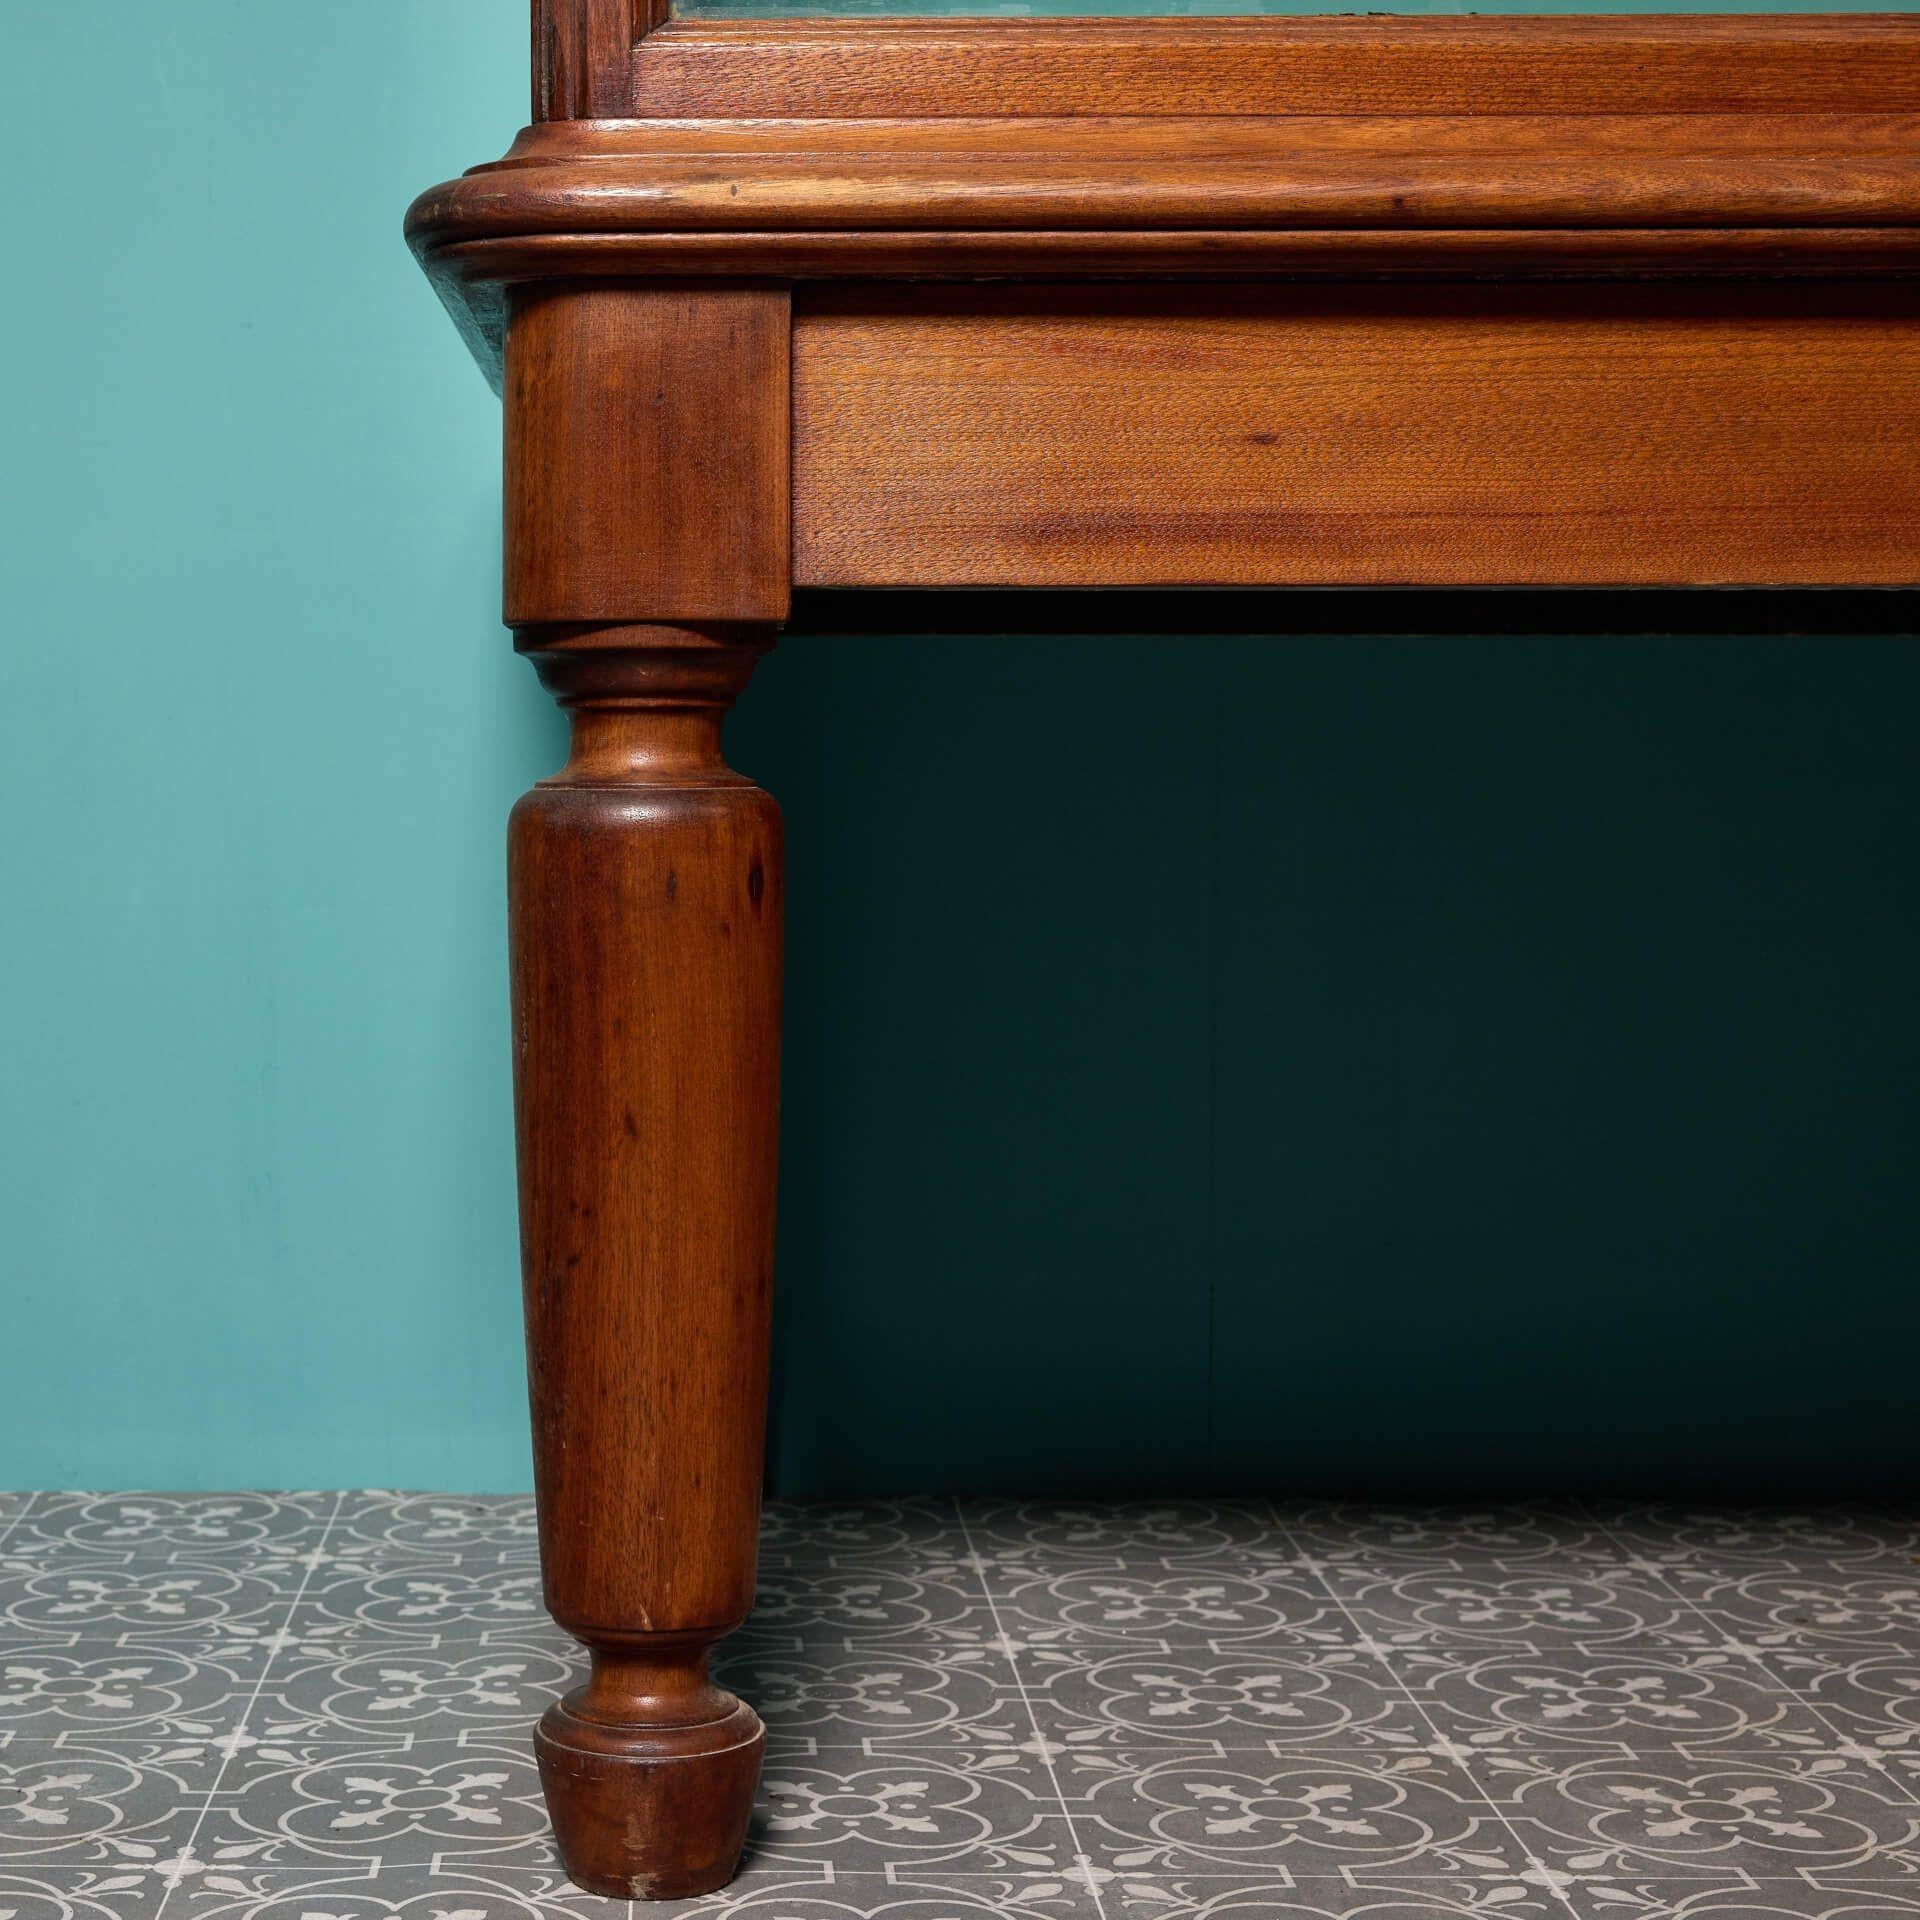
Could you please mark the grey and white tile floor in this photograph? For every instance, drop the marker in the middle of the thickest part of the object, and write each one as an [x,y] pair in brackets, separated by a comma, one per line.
[316,1706]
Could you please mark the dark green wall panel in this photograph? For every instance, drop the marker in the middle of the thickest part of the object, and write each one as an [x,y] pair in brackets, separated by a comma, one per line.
[1348,1061]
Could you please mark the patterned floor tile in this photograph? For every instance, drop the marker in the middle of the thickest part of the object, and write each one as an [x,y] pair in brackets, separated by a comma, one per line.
[189,1887]
[1871,1697]
[424,1599]
[111,1688]
[299,1804]
[1815,1605]
[809,1534]
[1191,1608]
[1061,1535]
[271,1707]
[439,1526]
[85,1893]
[99,1804]
[1249,1701]
[1439,1538]
[959,1813]
[870,1604]
[1757,1900]
[1758,1537]
[1308,1815]
[881,1700]
[371,1686]
[196,1526]
[60,1598]
[1493,1605]
[762,1894]
[1628,1699]
[1665,1817]
[1363,1897]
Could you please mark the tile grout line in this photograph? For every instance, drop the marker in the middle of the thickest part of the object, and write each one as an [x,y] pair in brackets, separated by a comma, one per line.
[1084,1859]
[177,1869]
[1550,1876]
[1754,1655]
[27,1505]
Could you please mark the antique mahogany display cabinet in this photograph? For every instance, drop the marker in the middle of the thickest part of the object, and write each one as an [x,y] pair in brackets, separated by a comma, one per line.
[785,304]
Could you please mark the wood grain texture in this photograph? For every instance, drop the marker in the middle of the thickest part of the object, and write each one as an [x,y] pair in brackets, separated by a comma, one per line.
[583,55]
[1627,193]
[647,552]
[1646,63]
[646,461]
[1350,436]
[686,436]
[1196,174]
[644,885]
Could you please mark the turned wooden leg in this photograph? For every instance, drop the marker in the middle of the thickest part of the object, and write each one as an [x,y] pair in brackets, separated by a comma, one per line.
[645,890]
[647,542]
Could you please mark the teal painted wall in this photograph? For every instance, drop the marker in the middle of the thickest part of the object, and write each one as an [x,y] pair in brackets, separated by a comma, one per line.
[1286,1060]
[258,733]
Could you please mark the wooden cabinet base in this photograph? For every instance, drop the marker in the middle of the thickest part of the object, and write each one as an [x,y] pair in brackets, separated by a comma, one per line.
[1573,302]
[649,1772]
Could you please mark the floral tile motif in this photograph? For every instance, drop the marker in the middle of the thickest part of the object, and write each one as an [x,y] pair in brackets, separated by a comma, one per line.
[880,1700]
[1628,1899]
[1307,1815]
[1727,1538]
[149,1525]
[1442,1538]
[1361,1897]
[369,1686]
[1623,1699]
[92,1805]
[278,1706]
[1665,1816]
[1121,1534]
[1871,1697]
[440,1526]
[870,1603]
[959,1813]
[96,1689]
[1196,1608]
[917,1894]
[799,1534]
[436,1802]
[1250,1700]
[411,1893]
[69,1599]
[1494,1605]
[188,1887]
[427,1599]
[1831,1605]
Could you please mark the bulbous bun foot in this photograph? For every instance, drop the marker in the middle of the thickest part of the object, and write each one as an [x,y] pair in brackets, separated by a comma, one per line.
[649,1812]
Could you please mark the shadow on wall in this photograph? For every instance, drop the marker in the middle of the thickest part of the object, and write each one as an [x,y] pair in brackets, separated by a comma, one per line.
[1348,1062]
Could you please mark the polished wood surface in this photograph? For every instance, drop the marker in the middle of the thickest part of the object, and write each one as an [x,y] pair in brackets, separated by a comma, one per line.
[583,55]
[1032,68]
[1644,436]
[1439,173]
[645,894]
[659,417]
[646,561]
[1789,166]
[1344,301]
